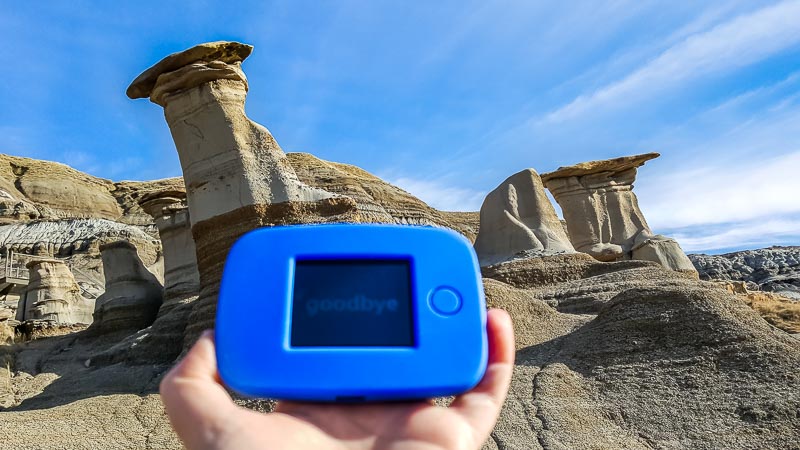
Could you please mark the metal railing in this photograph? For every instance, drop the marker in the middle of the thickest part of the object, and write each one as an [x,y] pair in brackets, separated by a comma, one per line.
[14,265]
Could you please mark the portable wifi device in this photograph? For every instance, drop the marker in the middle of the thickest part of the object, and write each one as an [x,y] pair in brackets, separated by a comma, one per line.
[351,312]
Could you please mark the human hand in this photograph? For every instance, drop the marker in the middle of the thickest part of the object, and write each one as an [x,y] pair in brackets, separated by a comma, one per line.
[205,416]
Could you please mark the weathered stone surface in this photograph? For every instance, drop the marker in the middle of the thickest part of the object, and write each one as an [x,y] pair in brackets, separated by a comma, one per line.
[133,294]
[614,165]
[630,355]
[181,278]
[377,201]
[52,294]
[54,190]
[517,217]
[222,51]
[130,193]
[237,177]
[70,236]
[664,251]
[6,337]
[774,269]
[603,215]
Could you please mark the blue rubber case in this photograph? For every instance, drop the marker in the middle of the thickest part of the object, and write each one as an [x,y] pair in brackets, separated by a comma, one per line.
[447,353]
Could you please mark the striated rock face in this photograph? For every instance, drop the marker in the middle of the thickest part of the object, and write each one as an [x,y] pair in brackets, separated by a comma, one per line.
[181,278]
[52,294]
[129,195]
[517,217]
[237,177]
[52,190]
[377,201]
[774,269]
[603,215]
[67,237]
[133,295]
[31,189]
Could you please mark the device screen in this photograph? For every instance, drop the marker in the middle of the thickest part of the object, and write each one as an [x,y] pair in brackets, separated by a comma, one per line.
[352,303]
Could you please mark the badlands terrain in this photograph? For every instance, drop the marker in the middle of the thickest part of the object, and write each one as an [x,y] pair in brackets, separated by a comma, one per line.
[622,340]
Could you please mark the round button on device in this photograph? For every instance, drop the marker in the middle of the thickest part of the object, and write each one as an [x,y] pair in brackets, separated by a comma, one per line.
[446,301]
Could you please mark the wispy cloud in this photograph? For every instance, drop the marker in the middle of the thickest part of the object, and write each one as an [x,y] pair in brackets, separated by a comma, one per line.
[750,234]
[441,196]
[736,191]
[744,40]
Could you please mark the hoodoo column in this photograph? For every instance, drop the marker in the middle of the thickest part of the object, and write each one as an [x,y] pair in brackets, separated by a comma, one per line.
[237,177]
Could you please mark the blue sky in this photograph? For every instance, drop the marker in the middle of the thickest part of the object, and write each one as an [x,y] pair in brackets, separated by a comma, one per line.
[446,99]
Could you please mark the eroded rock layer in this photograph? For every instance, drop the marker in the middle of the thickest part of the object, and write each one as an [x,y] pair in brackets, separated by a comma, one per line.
[133,294]
[52,294]
[774,269]
[603,215]
[516,218]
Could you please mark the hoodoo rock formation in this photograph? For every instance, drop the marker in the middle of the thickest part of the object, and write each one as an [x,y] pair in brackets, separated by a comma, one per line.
[236,175]
[603,215]
[133,294]
[181,278]
[52,294]
[518,218]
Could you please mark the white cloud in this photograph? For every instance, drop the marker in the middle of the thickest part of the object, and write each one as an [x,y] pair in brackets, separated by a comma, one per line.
[752,234]
[737,191]
[441,196]
[739,42]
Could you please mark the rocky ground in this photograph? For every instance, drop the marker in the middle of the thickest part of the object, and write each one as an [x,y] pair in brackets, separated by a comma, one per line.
[609,355]
[773,269]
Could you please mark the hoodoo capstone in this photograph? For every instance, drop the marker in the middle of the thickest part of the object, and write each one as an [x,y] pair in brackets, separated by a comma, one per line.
[603,215]
[517,218]
[237,176]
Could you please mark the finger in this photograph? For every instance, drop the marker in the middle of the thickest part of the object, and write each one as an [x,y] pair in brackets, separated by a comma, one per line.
[197,404]
[480,407]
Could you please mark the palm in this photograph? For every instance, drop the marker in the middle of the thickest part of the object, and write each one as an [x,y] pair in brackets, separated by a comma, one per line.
[382,426]
[204,416]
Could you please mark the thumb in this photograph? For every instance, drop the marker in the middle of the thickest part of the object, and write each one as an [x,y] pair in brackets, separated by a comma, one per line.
[197,404]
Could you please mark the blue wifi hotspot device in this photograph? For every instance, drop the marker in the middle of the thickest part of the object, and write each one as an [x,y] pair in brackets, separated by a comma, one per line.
[351,312]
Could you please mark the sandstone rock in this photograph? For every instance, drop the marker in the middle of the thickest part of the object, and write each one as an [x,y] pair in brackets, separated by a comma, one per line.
[654,359]
[133,295]
[67,237]
[181,278]
[6,338]
[237,177]
[15,207]
[774,269]
[465,222]
[130,193]
[223,51]
[376,200]
[52,294]
[518,217]
[664,251]
[56,190]
[603,215]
